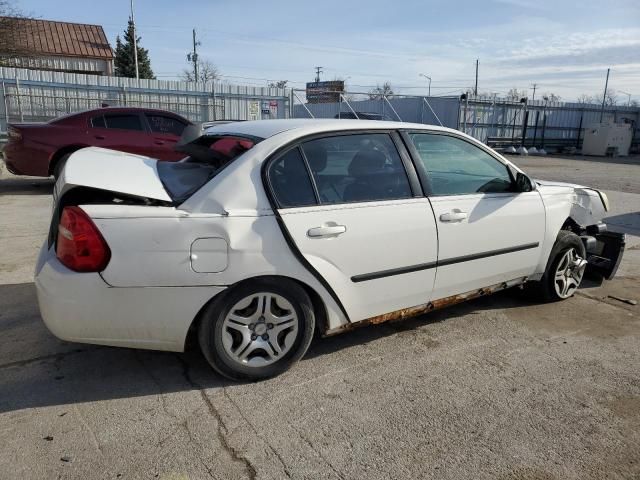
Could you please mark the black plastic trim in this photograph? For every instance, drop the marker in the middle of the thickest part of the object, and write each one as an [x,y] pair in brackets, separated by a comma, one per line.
[393,271]
[440,263]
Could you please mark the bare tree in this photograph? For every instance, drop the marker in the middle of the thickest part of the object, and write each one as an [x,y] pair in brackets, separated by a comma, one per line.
[13,33]
[207,72]
[380,91]
[516,95]
[278,84]
[551,97]
[634,103]
[611,97]
[585,98]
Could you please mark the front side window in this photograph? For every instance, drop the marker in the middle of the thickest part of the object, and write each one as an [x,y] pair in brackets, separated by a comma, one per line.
[357,168]
[165,125]
[457,167]
[124,122]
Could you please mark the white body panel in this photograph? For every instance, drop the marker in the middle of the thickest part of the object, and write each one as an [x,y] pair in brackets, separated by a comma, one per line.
[493,222]
[378,236]
[96,167]
[167,262]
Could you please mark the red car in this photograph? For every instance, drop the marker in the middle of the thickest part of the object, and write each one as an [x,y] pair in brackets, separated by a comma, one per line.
[41,149]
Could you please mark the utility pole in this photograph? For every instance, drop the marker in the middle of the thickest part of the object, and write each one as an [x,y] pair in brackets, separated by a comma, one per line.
[318,72]
[604,96]
[475,90]
[135,43]
[533,87]
[193,56]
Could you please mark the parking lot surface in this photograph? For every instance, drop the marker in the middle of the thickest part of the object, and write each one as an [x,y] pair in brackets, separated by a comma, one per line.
[495,388]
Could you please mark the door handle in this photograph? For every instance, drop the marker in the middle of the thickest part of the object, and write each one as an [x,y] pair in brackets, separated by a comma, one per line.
[99,137]
[326,231]
[159,142]
[454,215]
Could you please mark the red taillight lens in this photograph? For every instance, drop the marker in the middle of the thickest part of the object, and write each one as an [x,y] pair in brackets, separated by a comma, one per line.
[80,245]
[14,134]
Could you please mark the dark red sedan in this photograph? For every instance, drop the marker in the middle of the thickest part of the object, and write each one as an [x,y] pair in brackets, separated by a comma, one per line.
[41,149]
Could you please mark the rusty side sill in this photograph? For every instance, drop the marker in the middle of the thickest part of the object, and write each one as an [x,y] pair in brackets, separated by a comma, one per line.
[411,312]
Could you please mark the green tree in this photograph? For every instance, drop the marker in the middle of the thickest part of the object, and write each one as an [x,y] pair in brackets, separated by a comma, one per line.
[124,59]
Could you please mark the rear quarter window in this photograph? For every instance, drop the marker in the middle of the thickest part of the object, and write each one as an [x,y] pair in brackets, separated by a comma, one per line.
[208,156]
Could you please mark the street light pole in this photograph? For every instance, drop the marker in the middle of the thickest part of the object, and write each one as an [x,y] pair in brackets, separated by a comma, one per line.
[428,78]
[628,97]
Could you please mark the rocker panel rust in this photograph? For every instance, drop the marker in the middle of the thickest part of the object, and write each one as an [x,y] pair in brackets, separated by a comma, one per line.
[411,312]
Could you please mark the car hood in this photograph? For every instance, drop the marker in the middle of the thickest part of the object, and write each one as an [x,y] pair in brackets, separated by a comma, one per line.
[113,171]
[549,183]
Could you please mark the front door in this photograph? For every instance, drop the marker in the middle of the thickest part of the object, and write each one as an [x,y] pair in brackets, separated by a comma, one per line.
[165,133]
[487,232]
[357,222]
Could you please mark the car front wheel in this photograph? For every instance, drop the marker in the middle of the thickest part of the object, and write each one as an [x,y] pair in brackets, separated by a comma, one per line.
[565,268]
[257,330]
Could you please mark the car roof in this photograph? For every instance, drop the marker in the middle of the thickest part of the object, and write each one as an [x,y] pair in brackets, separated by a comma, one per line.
[307,126]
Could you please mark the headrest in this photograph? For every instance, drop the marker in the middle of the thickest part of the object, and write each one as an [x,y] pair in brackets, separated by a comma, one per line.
[365,162]
[316,155]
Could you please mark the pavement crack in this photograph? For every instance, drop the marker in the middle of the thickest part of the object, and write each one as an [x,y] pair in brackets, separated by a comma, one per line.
[54,356]
[163,400]
[223,431]
[319,454]
[255,431]
[86,425]
[194,442]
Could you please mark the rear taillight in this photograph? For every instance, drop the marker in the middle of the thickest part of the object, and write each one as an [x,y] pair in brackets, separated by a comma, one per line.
[14,134]
[80,246]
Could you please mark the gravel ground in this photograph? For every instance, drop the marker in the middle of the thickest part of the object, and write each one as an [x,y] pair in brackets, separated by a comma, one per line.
[496,388]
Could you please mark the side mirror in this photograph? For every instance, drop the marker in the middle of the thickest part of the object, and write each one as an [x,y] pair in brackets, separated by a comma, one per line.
[524,183]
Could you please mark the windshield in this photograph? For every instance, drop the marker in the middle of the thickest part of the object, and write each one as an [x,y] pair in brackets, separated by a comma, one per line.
[208,156]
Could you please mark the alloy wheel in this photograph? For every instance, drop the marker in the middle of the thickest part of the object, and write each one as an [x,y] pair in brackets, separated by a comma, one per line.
[569,273]
[260,329]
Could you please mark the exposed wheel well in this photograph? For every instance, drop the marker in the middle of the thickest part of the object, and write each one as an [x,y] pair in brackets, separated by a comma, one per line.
[319,309]
[571,225]
[61,153]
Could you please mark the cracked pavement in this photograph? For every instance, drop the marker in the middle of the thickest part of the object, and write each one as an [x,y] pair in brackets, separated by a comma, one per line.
[495,388]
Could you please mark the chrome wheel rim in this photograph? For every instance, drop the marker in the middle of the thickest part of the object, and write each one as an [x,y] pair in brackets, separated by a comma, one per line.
[569,273]
[260,329]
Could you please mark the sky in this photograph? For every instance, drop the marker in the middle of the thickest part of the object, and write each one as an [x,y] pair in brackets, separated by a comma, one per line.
[564,47]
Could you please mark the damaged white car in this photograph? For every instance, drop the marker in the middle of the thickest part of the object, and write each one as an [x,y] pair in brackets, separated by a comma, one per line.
[271,230]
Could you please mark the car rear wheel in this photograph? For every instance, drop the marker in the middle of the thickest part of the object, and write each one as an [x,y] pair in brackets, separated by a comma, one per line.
[565,268]
[257,330]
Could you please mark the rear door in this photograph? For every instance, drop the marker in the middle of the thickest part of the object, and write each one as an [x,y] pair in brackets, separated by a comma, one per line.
[351,207]
[165,133]
[126,132]
[488,232]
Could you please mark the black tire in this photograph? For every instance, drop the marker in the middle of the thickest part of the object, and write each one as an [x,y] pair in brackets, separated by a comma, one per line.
[544,289]
[210,329]
[59,166]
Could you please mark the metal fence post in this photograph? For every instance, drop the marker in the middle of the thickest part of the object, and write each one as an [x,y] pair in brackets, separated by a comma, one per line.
[6,108]
[19,100]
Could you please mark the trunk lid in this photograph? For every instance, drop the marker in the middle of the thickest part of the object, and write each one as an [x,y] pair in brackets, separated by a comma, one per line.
[113,171]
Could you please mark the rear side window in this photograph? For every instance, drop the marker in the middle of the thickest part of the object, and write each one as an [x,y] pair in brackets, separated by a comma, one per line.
[357,168]
[98,122]
[290,181]
[208,156]
[124,122]
[165,124]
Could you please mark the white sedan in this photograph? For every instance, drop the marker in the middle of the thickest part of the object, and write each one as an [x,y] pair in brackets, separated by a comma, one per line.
[271,230]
